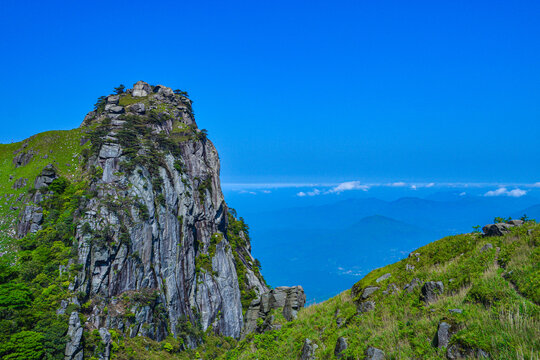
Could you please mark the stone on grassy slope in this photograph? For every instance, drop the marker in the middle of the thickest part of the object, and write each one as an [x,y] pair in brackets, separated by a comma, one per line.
[384,277]
[366,306]
[458,352]
[374,354]
[443,335]
[341,346]
[431,291]
[369,291]
[308,350]
[412,285]
[500,229]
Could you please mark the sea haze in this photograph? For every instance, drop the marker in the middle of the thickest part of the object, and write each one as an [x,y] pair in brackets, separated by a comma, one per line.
[326,241]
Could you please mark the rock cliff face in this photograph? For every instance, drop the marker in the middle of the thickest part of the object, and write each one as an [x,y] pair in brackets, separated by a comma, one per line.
[158,250]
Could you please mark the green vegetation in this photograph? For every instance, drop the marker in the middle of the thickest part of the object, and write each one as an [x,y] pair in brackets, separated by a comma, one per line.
[499,315]
[32,285]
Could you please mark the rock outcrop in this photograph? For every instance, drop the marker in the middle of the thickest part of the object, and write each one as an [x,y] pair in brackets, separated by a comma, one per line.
[500,229]
[431,291]
[308,350]
[287,299]
[159,253]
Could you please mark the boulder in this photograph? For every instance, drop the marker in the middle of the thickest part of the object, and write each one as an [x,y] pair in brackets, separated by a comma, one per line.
[515,222]
[141,89]
[443,335]
[308,350]
[163,90]
[412,285]
[295,300]
[115,109]
[456,311]
[496,229]
[113,99]
[48,174]
[384,277]
[22,159]
[374,354]
[368,291]
[431,291]
[366,306]
[341,346]
[138,108]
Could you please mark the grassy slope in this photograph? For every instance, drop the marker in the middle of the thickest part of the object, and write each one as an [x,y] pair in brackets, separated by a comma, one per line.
[499,316]
[59,147]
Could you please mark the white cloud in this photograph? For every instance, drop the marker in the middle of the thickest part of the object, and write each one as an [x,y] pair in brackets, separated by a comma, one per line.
[398,184]
[536,184]
[347,186]
[502,191]
[414,187]
[430,185]
[314,192]
[248,192]
[462,194]
[266,191]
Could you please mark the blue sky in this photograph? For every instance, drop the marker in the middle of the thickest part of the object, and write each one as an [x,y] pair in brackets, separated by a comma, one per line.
[298,91]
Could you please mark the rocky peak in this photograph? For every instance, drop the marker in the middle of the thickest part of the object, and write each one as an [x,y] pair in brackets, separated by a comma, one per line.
[158,251]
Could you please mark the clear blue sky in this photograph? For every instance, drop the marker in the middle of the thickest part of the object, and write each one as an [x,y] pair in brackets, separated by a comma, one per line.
[298,90]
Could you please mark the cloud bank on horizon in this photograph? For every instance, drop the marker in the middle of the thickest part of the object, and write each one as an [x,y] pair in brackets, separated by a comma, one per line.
[510,190]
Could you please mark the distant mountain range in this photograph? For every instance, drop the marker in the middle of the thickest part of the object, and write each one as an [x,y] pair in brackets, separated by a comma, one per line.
[326,248]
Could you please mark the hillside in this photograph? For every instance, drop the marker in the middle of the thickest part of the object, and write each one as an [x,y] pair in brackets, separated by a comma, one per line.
[489,298]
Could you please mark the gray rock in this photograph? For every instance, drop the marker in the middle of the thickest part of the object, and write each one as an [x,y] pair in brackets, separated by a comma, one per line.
[138,108]
[486,247]
[113,99]
[412,285]
[431,291]
[366,306]
[74,349]
[515,222]
[368,291]
[295,300]
[384,277]
[22,158]
[341,346]
[456,311]
[115,109]
[390,289]
[110,151]
[163,90]
[141,89]
[374,354]
[499,229]
[457,351]
[409,267]
[308,350]
[47,176]
[289,299]
[19,183]
[443,335]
